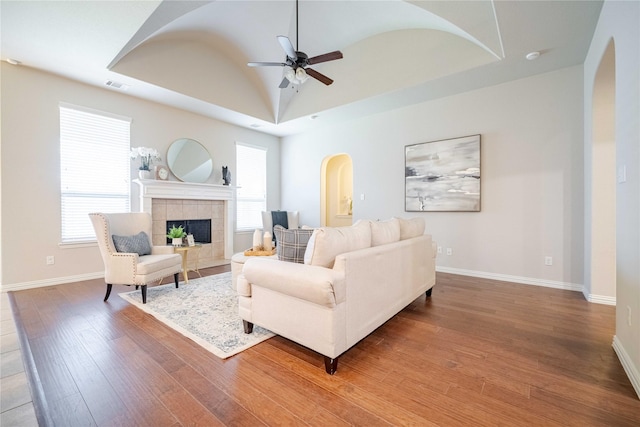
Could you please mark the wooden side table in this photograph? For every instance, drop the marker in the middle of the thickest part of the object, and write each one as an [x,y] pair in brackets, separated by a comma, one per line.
[184,252]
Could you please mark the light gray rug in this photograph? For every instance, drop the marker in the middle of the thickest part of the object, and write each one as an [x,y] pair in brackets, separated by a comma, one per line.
[205,310]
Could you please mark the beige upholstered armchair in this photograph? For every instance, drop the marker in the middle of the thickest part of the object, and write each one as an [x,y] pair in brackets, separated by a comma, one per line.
[129,257]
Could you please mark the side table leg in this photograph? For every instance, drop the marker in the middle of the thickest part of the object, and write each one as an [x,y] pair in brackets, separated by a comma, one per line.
[185,273]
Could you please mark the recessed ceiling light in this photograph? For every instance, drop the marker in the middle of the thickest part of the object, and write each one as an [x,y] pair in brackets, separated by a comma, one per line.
[532,55]
[254,125]
[13,61]
[315,116]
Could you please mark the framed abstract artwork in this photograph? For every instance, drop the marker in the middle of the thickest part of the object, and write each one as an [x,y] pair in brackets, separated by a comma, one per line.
[443,176]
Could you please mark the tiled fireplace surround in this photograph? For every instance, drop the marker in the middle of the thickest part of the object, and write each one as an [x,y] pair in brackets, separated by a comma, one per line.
[172,200]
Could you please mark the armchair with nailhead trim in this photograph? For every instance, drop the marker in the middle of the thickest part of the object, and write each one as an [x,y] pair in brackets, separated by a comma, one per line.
[129,256]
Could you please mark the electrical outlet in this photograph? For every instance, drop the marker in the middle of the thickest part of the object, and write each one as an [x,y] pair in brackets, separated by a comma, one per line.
[548,260]
[449,251]
[51,260]
[629,315]
[439,249]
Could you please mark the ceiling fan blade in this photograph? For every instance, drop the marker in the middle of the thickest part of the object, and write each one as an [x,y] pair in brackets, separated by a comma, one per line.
[288,47]
[266,64]
[284,83]
[331,56]
[318,76]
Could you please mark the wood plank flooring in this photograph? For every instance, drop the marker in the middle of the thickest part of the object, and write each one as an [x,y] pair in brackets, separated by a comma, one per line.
[478,352]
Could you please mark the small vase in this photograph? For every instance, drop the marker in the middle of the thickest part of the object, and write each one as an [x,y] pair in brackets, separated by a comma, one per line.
[144,174]
[176,241]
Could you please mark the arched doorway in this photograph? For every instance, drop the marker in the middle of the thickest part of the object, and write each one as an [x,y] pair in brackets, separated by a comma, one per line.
[603,181]
[336,199]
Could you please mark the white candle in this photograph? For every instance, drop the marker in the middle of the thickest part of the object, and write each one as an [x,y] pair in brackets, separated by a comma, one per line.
[257,239]
[267,241]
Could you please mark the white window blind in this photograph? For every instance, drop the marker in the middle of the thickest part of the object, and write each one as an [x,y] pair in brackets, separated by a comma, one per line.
[251,177]
[94,169]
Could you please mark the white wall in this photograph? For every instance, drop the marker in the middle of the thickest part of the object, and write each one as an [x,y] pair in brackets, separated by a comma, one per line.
[30,167]
[531,166]
[619,20]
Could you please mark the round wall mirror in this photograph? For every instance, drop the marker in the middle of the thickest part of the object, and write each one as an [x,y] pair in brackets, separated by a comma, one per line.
[189,160]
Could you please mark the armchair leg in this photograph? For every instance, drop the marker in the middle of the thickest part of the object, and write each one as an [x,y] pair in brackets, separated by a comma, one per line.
[330,365]
[248,327]
[429,292]
[175,278]
[144,294]
[109,286]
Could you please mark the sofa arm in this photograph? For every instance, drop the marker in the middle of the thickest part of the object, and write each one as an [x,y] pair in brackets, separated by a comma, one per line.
[315,284]
[121,268]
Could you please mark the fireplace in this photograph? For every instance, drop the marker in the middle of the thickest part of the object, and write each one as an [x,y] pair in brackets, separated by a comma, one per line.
[200,228]
[172,201]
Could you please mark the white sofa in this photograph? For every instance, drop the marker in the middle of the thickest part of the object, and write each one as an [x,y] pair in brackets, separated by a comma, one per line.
[353,279]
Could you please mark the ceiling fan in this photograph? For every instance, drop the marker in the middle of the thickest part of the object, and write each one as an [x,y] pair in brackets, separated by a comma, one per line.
[298,62]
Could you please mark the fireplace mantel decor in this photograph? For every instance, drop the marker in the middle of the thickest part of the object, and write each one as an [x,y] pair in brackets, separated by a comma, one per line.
[151,189]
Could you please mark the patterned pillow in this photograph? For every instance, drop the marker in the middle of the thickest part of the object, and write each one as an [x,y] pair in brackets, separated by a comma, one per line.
[133,244]
[292,243]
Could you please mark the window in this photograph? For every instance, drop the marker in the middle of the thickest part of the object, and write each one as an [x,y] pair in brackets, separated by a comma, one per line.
[95,168]
[251,163]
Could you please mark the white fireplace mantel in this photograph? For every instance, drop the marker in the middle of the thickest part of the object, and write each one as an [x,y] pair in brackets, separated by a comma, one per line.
[156,189]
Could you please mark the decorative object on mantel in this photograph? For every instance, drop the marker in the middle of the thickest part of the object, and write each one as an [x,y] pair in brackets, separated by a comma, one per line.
[147,156]
[162,173]
[226,175]
[176,234]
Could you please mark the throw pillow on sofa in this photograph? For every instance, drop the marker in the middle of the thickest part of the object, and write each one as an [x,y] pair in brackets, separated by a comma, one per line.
[328,242]
[412,227]
[384,232]
[292,243]
[138,244]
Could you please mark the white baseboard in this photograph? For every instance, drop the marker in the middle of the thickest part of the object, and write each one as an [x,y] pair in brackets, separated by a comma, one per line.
[627,364]
[50,282]
[79,278]
[601,299]
[515,279]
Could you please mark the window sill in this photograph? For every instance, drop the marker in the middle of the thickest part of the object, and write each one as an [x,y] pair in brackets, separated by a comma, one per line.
[76,245]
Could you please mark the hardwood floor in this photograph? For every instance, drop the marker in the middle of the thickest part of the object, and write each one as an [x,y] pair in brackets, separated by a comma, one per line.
[478,352]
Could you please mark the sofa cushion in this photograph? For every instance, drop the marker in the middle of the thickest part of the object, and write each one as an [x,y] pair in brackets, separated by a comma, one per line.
[292,243]
[138,244]
[383,232]
[328,242]
[410,228]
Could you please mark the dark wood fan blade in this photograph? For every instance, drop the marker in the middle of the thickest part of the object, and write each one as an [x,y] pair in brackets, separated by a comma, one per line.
[288,47]
[266,64]
[284,83]
[318,76]
[331,56]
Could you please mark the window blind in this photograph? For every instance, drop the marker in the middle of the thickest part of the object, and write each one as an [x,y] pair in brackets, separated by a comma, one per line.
[251,164]
[94,169]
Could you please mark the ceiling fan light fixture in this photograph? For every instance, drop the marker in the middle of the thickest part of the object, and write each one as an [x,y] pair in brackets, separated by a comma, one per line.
[301,75]
[297,76]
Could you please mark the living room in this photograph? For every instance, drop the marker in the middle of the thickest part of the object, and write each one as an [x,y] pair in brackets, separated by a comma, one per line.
[538,156]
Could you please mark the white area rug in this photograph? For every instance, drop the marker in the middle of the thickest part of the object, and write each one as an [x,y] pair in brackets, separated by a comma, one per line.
[205,310]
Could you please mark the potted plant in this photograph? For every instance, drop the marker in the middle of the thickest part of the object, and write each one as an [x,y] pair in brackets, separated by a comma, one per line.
[176,234]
